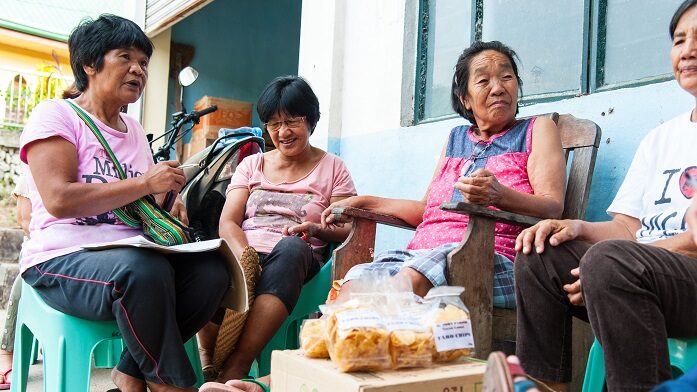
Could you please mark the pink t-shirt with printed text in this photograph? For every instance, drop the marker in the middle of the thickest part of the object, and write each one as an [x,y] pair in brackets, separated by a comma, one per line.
[272,206]
[50,236]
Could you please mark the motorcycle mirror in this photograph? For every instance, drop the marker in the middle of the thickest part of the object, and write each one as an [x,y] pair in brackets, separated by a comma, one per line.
[187,76]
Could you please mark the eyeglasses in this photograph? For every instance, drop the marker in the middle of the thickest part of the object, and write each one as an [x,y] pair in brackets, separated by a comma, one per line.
[477,152]
[292,123]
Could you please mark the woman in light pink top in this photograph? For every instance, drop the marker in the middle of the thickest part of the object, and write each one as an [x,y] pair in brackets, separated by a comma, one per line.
[158,301]
[273,207]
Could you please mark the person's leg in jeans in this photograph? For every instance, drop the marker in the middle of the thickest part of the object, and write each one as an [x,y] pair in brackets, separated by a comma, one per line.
[137,287]
[290,264]
[544,313]
[637,296]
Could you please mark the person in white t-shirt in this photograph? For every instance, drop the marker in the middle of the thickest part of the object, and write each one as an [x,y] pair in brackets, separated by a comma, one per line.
[633,278]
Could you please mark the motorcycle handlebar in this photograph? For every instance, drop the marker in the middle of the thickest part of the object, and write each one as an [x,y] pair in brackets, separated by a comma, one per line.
[173,134]
[195,115]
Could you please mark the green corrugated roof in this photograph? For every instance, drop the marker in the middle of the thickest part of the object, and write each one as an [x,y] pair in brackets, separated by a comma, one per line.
[53,19]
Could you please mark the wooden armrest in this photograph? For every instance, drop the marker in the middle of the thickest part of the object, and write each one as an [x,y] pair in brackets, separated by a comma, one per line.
[373,216]
[358,247]
[505,216]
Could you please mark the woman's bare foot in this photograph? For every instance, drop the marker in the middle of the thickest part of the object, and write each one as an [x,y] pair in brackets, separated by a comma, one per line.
[168,388]
[207,337]
[247,386]
[5,360]
[5,366]
[236,386]
[231,373]
[127,383]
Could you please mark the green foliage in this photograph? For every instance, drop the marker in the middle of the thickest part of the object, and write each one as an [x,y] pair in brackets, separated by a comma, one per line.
[21,100]
[50,86]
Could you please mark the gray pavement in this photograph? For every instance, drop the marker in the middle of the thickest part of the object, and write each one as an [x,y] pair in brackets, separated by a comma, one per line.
[100,379]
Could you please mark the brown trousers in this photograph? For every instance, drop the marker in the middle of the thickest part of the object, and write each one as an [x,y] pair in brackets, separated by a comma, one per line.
[636,296]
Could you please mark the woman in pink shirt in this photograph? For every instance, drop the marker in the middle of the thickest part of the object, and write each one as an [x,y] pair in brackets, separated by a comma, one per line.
[499,161]
[159,301]
[273,208]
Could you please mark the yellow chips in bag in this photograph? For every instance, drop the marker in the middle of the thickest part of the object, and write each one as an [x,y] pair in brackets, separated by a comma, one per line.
[450,324]
[410,348]
[313,338]
[358,340]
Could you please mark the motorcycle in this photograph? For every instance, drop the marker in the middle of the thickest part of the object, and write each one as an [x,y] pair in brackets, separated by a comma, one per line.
[207,172]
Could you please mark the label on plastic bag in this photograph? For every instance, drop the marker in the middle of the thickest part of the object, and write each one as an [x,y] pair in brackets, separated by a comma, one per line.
[404,323]
[453,335]
[358,318]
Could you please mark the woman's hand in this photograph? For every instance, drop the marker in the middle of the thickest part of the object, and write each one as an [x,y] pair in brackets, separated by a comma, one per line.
[481,188]
[573,290]
[164,177]
[305,230]
[328,218]
[558,231]
[179,210]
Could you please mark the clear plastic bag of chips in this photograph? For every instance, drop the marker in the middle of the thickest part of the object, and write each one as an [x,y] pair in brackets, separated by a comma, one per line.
[313,338]
[449,321]
[411,342]
[357,338]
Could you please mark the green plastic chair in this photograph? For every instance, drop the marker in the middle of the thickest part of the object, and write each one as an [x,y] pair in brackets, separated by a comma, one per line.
[683,356]
[68,345]
[313,294]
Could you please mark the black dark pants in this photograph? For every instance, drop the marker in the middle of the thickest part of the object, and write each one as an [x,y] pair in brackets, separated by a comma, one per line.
[289,265]
[636,297]
[159,302]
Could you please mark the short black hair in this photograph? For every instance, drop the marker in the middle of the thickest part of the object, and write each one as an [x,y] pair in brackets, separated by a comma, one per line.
[462,74]
[686,5]
[92,39]
[291,95]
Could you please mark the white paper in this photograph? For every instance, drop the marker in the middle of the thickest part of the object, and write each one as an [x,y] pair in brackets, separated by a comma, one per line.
[358,318]
[141,242]
[453,335]
[236,297]
[404,323]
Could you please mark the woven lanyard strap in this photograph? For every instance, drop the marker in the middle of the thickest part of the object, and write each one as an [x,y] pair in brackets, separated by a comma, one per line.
[143,213]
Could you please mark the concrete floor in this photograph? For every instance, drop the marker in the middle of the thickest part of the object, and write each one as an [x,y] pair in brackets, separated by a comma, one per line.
[100,379]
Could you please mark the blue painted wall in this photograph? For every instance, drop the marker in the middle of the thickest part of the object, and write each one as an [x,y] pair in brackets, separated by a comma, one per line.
[400,162]
[240,46]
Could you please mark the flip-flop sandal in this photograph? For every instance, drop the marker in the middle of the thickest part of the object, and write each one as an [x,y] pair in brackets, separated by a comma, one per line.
[500,374]
[218,387]
[5,385]
[263,386]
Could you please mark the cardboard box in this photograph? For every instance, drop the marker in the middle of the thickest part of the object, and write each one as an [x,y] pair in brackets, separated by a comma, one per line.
[230,114]
[291,371]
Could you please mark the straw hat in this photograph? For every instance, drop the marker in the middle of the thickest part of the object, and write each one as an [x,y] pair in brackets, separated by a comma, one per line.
[233,322]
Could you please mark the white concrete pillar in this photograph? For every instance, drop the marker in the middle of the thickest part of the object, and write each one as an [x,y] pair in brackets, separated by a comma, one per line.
[135,11]
[155,97]
[320,61]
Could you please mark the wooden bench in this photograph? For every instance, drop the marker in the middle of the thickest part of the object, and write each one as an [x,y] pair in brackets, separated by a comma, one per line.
[471,264]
